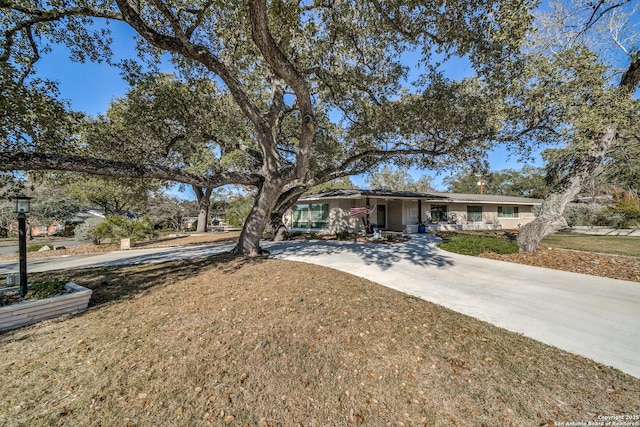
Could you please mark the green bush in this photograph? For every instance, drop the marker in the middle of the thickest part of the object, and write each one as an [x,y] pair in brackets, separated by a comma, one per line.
[84,232]
[476,245]
[116,227]
[389,237]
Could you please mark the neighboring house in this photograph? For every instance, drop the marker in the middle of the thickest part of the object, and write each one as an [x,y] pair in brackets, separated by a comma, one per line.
[348,210]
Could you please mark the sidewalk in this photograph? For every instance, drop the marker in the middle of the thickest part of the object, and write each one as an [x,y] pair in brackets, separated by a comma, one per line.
[595,317]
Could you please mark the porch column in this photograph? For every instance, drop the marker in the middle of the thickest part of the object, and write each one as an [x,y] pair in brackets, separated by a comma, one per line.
[367,223]
[419,211]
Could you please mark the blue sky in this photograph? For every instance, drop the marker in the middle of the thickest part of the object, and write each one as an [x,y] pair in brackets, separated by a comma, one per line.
[90,87]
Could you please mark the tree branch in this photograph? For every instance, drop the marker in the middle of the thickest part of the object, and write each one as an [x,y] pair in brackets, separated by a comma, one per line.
[10,161]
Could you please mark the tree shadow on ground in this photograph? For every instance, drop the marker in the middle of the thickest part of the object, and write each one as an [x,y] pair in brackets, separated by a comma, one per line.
[113,283]
[420,251]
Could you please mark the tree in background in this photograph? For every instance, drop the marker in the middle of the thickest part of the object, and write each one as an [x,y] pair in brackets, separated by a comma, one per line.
[115,196]
[51,204]
[527,182]
[390,178]
[167,212]
[287,67]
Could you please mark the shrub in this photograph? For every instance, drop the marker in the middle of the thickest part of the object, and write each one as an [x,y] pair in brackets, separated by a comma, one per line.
[476,245]
[389,237]
[313,235]
[84,232]
[626,204]
[118,227]
[40,290]
[342,235]
[581,214]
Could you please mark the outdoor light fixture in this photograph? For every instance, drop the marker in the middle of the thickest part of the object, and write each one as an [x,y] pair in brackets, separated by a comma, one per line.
[22,207]
[22,204]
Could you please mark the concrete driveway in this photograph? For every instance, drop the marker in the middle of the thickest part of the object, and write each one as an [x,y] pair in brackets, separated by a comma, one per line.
[595,317]
[592,316]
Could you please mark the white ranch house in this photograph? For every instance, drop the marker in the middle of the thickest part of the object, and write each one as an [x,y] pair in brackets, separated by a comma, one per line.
[401,211]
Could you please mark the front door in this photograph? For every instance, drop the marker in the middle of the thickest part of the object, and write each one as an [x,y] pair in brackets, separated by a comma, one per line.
[382,217]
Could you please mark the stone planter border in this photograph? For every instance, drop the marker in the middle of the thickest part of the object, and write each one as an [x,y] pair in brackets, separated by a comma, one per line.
[29,312]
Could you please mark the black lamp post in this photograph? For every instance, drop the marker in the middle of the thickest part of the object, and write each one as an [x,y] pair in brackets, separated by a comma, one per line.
[22,207]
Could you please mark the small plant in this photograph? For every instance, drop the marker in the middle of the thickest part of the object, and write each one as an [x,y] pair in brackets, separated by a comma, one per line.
[296,233]
[342,235]
[47,289]
[389,237]
[313,235]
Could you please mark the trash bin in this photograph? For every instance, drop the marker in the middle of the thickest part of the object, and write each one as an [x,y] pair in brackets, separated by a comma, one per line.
[422,228]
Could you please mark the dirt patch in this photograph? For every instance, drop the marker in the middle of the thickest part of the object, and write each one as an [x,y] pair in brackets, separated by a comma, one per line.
[229,341]
[612,266]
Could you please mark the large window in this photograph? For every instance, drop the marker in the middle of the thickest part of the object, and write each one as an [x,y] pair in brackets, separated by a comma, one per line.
[319,215]
[507,212]
[474,213]
[438,213]
[300,216]
[315,215]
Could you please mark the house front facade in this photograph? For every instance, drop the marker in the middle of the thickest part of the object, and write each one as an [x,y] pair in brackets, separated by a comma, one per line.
[400,211]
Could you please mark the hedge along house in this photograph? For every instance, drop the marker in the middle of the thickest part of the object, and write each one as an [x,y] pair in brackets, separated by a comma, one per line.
[401,211]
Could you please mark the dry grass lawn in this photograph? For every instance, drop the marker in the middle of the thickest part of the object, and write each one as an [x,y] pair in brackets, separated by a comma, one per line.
[229,341]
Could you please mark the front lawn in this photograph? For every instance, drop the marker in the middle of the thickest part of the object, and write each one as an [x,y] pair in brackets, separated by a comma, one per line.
[477,243]
[229,341]
[619,245]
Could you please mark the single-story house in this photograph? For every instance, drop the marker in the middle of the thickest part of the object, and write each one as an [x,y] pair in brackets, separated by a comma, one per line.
[403,211]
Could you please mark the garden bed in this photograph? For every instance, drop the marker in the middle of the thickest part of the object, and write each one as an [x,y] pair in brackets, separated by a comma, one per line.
[32,311]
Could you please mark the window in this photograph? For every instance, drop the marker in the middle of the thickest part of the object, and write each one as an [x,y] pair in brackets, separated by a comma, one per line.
[319,215]
[474,213]
[300,216]
[438,213]
[507,212]
[314,215]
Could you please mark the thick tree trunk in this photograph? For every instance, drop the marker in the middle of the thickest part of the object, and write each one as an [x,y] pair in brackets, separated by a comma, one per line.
[203,196]
[550,219]
[285,202]
[280,231]
[256,222]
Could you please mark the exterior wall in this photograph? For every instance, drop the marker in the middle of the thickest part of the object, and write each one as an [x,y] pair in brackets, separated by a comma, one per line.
[489,214]
[402,215]
[394,215]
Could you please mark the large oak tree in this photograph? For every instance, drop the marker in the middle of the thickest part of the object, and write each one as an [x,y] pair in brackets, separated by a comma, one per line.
[570,94]
[321,83]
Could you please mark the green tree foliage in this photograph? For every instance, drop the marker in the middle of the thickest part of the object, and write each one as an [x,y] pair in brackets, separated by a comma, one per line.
[390,178]
[119,226]
[336,184]
[527,182]
[321,86]
[115,196]
[238,209]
